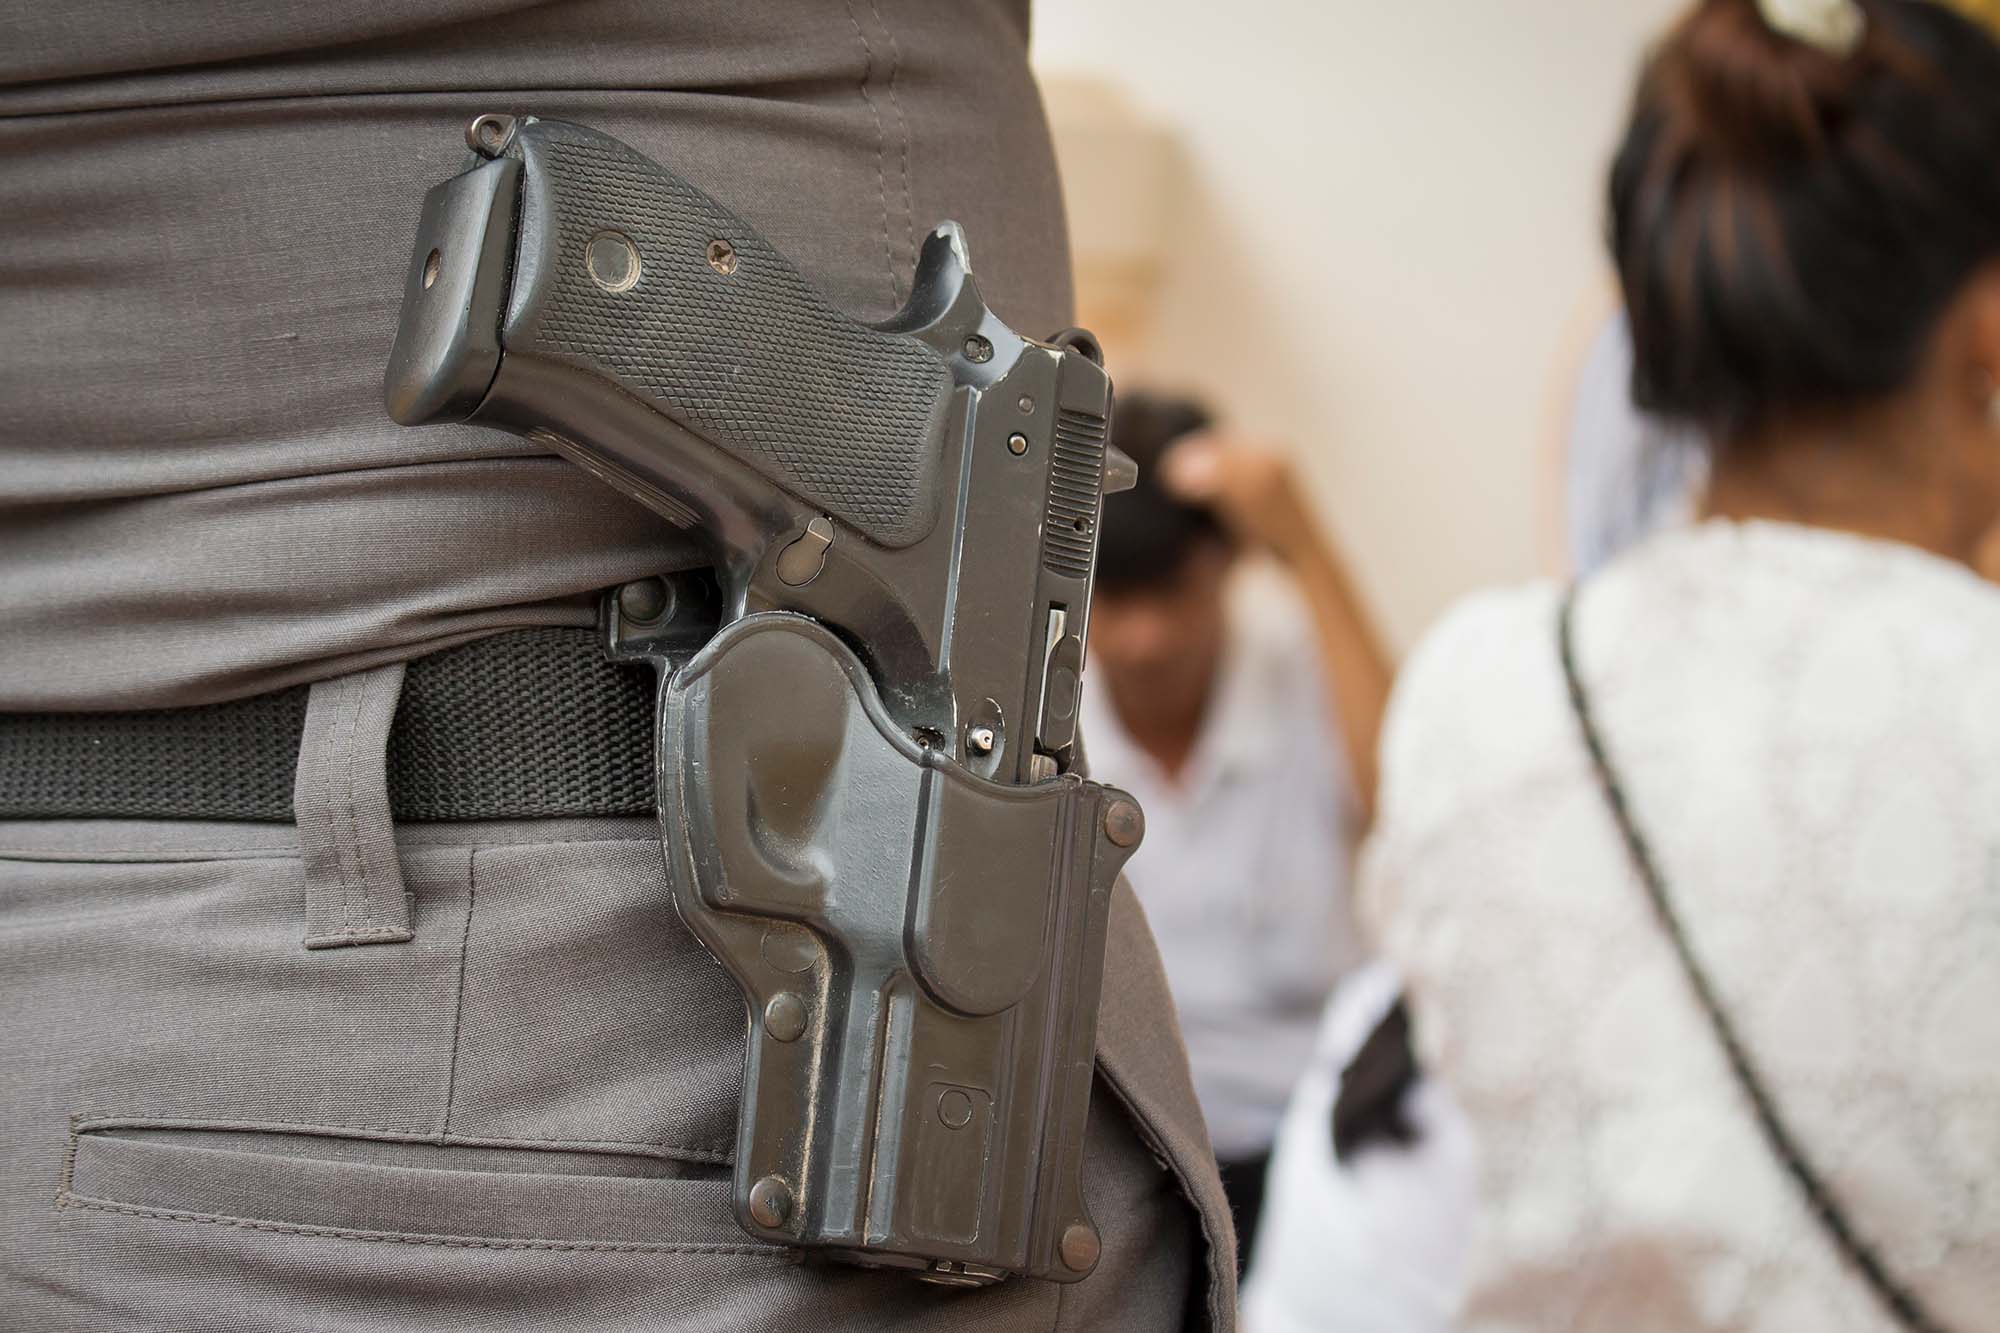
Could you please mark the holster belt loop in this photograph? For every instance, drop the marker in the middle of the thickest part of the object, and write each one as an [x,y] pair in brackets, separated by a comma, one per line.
[347,840]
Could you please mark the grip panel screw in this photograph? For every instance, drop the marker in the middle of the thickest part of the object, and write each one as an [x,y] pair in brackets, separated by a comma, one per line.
[612,261]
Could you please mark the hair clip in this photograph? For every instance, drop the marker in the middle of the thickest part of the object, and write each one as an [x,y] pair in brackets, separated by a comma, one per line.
[1833,26]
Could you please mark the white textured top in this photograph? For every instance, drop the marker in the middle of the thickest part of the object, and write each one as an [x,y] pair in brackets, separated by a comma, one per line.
[1808,727]
[1244,870]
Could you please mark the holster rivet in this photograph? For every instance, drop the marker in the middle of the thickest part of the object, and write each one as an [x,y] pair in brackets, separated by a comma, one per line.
[771,1204]
[785,1017]
[1080,1247]
[645,600]
[1124,824]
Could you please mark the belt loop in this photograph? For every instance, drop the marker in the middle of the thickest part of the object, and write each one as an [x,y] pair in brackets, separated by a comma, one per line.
[347,840]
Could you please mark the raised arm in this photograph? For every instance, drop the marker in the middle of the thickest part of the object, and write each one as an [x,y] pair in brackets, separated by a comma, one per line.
[1259,494]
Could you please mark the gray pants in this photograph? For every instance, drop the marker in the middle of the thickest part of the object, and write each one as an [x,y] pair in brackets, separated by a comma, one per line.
[520,1117]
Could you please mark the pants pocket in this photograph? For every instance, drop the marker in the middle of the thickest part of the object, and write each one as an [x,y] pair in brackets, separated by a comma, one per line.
[464,1198]
[165,1226]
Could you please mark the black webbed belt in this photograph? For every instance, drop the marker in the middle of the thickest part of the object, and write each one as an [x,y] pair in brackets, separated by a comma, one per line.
[527,724]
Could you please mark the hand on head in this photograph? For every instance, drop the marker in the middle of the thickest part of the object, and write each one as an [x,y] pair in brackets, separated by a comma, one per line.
[1252,486]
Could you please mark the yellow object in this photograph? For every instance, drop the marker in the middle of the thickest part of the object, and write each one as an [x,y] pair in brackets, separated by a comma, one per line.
[1981,11]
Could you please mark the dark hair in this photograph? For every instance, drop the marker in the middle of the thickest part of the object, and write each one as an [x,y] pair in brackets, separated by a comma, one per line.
[1148,535]
[1790,224]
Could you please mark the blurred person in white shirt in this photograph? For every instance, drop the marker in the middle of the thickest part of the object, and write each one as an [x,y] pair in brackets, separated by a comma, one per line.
[1625,473]
[1243,715]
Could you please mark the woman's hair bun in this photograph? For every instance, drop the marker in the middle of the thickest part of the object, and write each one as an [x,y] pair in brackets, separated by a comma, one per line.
[1792,212]
[1746,90]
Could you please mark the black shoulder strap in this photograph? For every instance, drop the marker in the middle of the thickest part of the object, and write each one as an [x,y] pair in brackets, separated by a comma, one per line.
[1899,1301]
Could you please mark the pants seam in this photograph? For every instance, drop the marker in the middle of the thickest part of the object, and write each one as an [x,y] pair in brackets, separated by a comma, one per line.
[903,132]
[353,693]
[881,154]
[1217,1257]
[458,1013]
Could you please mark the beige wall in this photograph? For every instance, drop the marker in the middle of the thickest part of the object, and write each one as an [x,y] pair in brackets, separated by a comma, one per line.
[1383,249]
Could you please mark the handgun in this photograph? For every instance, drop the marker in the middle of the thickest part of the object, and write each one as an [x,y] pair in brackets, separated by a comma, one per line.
[866,741]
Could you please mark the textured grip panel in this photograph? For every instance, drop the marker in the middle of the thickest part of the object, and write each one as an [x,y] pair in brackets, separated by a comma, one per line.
[754,359]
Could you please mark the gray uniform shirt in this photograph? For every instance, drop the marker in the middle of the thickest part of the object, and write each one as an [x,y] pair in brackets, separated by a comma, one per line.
[208,211]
